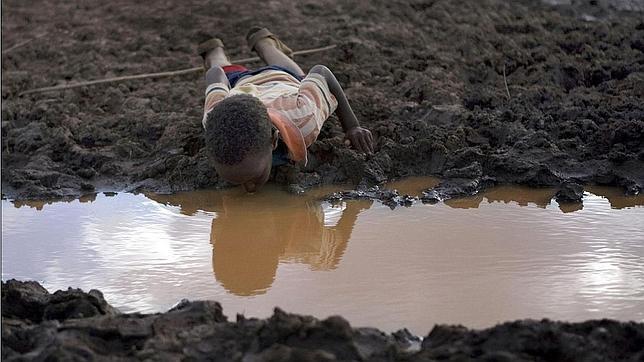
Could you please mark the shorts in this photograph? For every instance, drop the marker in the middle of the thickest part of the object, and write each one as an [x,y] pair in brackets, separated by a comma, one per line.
[236,72]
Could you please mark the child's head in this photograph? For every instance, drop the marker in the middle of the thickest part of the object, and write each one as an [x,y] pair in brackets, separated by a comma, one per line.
[240,140]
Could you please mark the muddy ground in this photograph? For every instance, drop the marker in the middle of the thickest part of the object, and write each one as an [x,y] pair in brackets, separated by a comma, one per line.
[73,325]
[428,77]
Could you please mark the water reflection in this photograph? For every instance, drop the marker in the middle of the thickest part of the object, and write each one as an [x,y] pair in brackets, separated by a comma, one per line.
[543,197]
[474,261]
[40,204]
[192,202]
[616,197]
[251,234]
[520,195]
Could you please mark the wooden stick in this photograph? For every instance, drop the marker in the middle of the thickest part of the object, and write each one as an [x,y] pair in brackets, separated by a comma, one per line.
[505,80]
[157,75]
[25,42]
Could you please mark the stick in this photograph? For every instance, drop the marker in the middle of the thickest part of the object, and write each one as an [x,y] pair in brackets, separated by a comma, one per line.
[505,80]
[25,42]
[156,75]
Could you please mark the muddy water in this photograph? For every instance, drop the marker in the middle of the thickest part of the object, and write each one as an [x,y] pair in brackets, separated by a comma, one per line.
[509,253]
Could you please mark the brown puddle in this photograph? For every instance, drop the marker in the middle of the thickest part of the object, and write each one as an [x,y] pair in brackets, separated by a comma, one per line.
[508,253]
[253,233]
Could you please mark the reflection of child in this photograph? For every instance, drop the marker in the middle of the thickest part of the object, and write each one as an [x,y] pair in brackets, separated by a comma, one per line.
[255,119]
[250,236]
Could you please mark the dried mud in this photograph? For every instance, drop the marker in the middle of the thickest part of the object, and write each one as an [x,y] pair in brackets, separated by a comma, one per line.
[73,325]
[427,77]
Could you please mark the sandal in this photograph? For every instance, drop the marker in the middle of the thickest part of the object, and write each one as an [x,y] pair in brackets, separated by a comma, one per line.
[209,45]
[256,34]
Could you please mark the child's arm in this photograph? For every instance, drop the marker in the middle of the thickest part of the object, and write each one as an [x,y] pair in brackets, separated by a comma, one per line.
[360,138]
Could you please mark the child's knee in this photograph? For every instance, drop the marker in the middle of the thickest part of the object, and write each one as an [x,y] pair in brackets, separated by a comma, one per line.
[215,74]
[215,71]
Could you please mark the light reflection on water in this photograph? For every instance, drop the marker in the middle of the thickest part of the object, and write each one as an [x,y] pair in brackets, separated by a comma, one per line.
[474,261]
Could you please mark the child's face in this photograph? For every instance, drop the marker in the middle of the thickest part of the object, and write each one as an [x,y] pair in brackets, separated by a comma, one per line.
[252,172]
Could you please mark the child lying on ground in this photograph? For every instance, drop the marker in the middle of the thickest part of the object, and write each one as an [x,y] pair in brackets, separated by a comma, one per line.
[256,119]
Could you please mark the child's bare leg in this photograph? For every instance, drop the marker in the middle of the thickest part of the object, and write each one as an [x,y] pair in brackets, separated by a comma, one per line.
[214,60]
[216,57]
[266,50]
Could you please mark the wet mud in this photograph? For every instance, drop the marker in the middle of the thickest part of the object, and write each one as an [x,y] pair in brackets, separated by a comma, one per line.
[478,93]
[74,325]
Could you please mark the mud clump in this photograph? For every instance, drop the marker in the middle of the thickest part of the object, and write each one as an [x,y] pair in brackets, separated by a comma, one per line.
[456,187]
[200,331]
[436,103]
[570,192]
[388,197]
[30,301]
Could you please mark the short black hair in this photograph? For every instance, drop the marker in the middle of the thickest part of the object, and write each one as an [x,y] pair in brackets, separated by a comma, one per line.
[237,126]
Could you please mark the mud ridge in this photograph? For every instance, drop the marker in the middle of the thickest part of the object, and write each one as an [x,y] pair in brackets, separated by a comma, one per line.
[74,325]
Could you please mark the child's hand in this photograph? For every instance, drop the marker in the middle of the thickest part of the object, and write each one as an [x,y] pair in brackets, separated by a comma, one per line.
[361,139]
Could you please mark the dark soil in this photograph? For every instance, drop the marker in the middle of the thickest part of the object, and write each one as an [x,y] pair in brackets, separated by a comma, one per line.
[73,325]
[428,77]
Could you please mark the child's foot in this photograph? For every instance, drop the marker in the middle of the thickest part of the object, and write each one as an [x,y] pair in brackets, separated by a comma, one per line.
[212,52]
[256,35]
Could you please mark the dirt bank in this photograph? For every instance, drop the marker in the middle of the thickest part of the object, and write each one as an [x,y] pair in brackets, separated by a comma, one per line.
[73,325]
[427,77]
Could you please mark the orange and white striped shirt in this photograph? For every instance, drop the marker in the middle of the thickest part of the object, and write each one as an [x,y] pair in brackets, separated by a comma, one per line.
[307,104]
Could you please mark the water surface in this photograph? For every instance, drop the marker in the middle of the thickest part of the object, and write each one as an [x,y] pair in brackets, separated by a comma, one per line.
[509,253]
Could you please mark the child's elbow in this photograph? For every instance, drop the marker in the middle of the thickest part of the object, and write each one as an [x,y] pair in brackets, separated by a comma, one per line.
[322,70]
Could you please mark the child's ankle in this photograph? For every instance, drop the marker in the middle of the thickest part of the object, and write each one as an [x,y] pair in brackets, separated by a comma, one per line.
[266,42]
[213,58]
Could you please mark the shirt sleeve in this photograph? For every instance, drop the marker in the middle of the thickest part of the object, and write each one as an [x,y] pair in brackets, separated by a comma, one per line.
[214,94]
[314,94]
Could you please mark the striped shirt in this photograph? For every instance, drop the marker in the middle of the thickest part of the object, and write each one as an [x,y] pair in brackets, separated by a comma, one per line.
[306,104]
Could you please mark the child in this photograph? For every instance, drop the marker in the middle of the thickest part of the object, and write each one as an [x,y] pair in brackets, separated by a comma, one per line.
[255,119]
